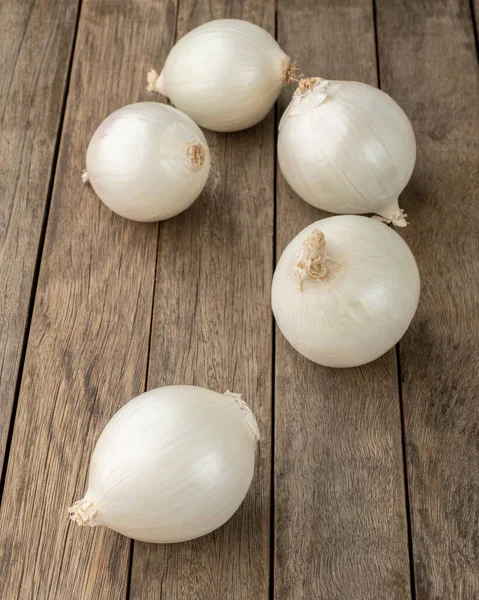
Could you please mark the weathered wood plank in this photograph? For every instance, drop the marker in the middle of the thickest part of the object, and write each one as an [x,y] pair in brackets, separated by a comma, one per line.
[88,345]
[212,327]
[429,64]
[36,40]
[341,528]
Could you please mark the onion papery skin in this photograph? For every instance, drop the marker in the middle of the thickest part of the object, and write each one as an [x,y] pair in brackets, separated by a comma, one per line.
[365,303]
[139,161]
[226,74]
[173,464]
[347,148]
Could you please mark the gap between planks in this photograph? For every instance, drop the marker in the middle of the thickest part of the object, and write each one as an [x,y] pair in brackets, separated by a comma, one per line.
[399,382]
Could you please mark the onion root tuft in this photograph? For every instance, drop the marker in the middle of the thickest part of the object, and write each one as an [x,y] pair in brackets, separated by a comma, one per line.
[289,71]
[195,155]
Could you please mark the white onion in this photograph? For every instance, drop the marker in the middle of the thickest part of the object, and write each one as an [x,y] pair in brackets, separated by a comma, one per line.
[226,74]
[147,161]
[345,290]
[347,147]
[173,464]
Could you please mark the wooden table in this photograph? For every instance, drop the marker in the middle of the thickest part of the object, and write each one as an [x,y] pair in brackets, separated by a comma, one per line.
[367,482]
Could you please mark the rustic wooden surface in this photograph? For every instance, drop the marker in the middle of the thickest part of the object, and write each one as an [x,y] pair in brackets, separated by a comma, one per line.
[341,526]
[120,307]
[36,42]
[437,83]
[212,290]
[88,343]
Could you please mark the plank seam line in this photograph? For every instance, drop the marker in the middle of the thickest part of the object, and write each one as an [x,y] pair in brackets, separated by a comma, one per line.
[157,251]
[406,481]
[272,540]
[130,569]
[376,42]
[407,504]
[38,259]
[145,387]
[474,26]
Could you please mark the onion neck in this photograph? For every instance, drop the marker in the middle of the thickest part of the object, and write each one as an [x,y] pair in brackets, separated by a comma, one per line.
[83,512]
[249,416]
[312,259]
[195,155]
[155,82]
[392,214]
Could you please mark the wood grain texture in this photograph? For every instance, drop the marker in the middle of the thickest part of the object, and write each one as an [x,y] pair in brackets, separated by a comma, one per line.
[212,327]
[340,520]
[88,345]
[36,40]
[429,64]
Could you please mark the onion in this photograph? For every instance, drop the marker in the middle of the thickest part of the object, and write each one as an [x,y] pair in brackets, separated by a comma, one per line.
[347,147]
[226,74]
[147,161]
[173,464]
[345,290]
